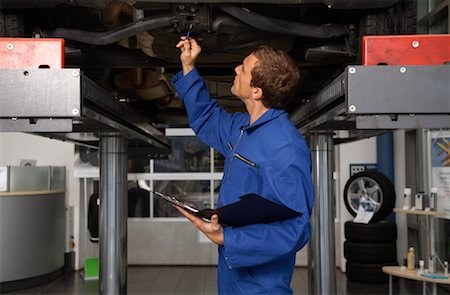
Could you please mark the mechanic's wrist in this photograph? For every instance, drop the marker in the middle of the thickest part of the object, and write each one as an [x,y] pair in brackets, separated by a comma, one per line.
[187,69]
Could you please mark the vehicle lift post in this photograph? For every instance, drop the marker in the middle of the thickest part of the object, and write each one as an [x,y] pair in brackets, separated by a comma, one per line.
[113,214]
[321,254]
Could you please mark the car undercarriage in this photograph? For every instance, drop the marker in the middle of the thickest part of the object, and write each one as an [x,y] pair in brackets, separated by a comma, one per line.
[128,47]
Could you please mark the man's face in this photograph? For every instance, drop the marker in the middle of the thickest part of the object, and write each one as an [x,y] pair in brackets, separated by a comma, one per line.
[241,85]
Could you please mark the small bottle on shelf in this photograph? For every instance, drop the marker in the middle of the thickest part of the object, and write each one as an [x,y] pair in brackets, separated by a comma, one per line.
[411,259]
[421,267]
[407,198]
[431,264]
[418,204]
[433,199]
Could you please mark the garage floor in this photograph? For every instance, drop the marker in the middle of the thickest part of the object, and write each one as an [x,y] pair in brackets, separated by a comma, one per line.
[200,280]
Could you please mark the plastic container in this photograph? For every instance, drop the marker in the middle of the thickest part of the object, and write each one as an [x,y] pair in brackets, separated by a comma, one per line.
[432,204]
[421,267]
[418,204]
[431,264]
[407,198]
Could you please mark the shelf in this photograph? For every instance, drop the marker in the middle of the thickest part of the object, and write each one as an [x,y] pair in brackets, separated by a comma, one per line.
[400,272]
[32,193]
[420,212]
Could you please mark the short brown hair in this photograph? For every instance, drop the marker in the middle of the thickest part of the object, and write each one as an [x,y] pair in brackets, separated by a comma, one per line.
[276,74]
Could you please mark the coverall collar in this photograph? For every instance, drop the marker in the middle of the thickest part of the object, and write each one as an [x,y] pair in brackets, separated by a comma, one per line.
[266,117]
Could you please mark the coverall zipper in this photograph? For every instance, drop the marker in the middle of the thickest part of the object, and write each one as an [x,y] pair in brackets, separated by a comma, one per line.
[234,149]
[245,160]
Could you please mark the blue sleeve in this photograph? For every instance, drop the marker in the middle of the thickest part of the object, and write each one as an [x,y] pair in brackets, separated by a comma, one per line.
[209,122]
[290,179]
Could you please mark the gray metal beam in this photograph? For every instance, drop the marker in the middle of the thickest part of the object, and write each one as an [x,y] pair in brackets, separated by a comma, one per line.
[402,121]
[380,97]
[327,102]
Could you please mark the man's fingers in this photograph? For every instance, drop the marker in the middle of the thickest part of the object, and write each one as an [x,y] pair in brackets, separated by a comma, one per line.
[215,219]
[183,42]
[184,212]
[192,218]
[195,46]
[215,225]
[180,43]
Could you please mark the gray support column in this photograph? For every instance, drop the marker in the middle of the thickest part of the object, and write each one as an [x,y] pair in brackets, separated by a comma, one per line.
[321,257]
[113,214]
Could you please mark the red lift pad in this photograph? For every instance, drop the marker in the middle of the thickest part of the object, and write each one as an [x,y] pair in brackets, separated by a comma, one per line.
[22,53]
[406,50]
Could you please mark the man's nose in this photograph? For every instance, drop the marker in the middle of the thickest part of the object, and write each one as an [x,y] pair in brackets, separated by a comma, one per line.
[236,69]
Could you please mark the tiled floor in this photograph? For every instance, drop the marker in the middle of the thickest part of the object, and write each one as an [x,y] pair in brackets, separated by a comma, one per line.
[202,280]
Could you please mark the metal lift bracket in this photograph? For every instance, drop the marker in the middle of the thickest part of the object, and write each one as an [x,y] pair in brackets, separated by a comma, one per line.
[398,90]
[36,100]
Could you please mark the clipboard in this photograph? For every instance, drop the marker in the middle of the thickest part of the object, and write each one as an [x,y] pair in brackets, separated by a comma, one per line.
[250,209]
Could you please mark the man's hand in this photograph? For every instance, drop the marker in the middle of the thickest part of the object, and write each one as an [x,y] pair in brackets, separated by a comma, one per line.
[189,52]
[213,230]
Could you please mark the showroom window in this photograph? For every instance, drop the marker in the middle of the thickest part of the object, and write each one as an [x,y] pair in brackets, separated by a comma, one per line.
[191,173]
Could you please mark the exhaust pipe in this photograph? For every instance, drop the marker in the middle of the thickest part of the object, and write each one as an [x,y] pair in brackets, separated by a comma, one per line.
[283,27]
[113,36]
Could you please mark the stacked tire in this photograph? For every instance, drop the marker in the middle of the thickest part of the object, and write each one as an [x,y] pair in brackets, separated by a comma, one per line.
[369,247]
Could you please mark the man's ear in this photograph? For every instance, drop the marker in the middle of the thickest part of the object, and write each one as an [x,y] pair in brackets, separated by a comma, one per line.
[257,93]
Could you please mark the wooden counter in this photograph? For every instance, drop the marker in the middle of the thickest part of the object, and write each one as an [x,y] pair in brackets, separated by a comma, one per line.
[402,272]
[420,212]
[412,275]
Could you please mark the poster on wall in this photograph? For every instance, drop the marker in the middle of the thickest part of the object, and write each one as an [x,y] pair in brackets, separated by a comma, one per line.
[440,170]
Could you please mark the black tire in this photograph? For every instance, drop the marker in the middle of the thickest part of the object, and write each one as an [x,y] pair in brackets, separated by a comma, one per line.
[378,188]
[11,25]
[373,232]
[399,19]
[368,272]
[93,218]
[370,253]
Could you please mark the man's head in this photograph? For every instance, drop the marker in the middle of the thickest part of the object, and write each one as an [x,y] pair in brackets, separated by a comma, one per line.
[267,74]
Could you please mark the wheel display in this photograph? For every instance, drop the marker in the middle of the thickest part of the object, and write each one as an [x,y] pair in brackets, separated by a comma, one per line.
[372,186]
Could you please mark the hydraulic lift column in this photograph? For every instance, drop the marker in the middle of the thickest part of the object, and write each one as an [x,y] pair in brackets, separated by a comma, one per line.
[113,214]
[321,257]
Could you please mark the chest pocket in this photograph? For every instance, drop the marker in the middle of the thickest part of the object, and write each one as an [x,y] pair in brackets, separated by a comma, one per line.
[245,175]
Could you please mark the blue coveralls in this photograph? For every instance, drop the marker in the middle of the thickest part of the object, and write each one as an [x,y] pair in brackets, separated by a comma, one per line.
[269,158]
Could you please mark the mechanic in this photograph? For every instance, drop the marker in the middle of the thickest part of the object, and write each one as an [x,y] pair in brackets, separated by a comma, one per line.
[264,154]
